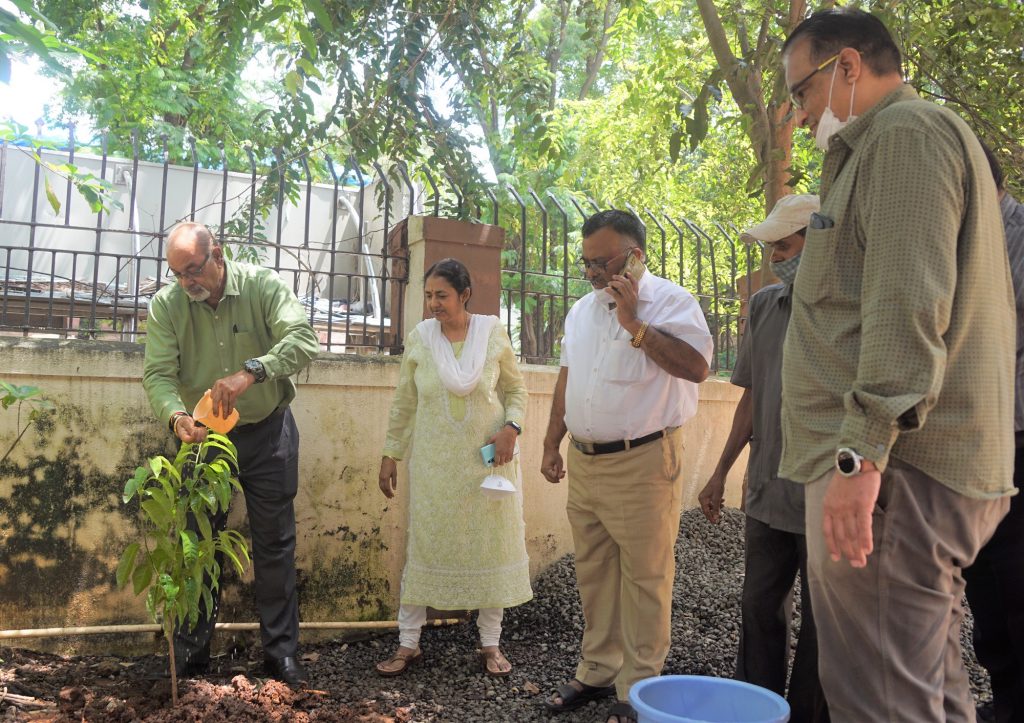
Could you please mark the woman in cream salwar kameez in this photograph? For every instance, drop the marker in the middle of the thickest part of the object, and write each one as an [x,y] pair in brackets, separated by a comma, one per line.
[459,389]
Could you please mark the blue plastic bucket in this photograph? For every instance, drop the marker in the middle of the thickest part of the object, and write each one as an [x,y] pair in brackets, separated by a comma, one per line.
[700,699]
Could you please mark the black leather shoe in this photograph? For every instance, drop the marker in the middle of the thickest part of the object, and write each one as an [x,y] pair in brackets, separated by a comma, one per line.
[288,670]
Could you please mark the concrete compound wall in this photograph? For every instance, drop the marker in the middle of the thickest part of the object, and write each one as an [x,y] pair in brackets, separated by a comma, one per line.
[63,527]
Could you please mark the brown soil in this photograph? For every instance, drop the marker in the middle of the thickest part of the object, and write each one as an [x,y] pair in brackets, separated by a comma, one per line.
[44,687]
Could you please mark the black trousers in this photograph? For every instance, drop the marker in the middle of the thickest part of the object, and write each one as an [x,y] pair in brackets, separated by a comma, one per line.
[268,457]
[772,560]
[995,592]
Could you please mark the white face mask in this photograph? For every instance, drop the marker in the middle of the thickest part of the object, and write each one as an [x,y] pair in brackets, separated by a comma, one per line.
[829,125]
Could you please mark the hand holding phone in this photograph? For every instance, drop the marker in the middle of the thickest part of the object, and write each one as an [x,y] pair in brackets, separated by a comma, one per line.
[487,453]
[634,267]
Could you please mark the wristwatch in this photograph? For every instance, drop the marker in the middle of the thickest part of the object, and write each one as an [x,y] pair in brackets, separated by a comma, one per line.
[848,462]
[255,367]
[519,430]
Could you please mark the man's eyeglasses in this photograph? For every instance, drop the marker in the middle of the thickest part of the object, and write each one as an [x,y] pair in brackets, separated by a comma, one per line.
[597,265]
[796,92]
[171,273]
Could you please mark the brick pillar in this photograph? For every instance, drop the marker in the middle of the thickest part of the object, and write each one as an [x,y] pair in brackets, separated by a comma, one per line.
[477,245]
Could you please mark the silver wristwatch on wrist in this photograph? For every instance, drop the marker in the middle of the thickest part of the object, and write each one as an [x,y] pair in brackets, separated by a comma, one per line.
[848,462]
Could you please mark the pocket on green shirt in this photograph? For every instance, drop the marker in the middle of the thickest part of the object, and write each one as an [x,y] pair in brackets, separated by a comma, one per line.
[818,276]
[247,345]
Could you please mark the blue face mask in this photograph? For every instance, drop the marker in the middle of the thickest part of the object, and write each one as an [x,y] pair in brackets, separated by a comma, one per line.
[785,271]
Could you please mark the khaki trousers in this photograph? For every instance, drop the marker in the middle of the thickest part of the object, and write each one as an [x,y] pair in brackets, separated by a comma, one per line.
[624,512]
[889,633]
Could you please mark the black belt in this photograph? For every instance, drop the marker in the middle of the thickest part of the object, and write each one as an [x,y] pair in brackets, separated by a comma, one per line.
[593,448]
[245,428]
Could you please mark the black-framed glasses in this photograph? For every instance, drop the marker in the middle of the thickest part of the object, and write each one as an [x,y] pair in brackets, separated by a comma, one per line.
[582,264]
[171,273]
[796,91]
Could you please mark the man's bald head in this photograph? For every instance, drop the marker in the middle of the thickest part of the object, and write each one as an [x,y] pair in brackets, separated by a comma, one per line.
[190,237]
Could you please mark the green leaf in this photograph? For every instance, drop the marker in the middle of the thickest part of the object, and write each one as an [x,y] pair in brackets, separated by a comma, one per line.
[205,528]
[273,13]
[224,444]
[169,586]
[308,67]
[322,16]
[208,601]
[158,510]
[124,567]
[189,546]
[51,196]
[141,577]
[308,41]
[132,486]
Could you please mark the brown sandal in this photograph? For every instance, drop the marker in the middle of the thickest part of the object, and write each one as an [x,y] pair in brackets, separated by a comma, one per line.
[496,657]
[406,661]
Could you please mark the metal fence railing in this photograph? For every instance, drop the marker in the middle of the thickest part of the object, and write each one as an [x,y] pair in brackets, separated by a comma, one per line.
[71,270]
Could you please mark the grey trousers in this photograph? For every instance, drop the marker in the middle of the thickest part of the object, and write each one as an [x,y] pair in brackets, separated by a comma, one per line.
[889,633]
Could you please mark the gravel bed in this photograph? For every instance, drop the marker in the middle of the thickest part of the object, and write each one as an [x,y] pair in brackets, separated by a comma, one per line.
[542,639]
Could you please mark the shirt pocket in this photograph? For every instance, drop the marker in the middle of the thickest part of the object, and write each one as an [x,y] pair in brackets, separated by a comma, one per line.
[625,364]
[818,275]
[247,344]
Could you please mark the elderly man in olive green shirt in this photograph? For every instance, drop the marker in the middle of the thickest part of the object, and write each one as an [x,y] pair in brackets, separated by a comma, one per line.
[238,331]
[897,374]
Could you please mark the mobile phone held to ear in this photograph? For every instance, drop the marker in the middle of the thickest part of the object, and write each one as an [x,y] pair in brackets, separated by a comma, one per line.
[634,267]
[487,452]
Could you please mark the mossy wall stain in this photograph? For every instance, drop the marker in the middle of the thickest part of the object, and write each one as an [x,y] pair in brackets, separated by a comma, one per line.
[51,493]
[63,525]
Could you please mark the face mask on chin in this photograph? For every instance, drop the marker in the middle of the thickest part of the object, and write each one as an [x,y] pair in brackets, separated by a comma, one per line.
[785,271]
[829,124]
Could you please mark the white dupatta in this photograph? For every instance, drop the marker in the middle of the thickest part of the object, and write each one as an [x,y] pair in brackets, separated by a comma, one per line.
[459,376]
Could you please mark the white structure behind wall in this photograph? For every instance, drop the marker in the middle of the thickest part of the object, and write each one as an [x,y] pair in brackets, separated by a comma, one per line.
[343,235]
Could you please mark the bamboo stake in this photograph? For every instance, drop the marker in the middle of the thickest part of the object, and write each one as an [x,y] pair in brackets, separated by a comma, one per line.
[153,628]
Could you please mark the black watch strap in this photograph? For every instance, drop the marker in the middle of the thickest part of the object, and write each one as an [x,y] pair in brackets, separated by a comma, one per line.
[256,368]
[515,426]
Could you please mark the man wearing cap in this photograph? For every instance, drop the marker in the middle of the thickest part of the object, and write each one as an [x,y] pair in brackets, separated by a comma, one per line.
[239,331]
[633,352]
[897,373]
[775,544]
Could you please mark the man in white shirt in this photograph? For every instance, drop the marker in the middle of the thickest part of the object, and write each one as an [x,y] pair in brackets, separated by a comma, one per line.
[633,352]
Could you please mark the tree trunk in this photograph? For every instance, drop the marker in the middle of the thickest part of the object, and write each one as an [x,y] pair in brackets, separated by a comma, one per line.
[771,133]
[780,154]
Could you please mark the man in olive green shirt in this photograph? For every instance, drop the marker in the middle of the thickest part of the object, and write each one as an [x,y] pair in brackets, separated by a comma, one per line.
[897,371]
[238,331]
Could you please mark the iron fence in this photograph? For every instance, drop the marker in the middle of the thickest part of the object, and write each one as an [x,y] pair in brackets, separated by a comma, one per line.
[72,270]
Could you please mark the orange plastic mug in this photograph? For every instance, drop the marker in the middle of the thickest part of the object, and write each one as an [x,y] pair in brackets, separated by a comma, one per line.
[204,413]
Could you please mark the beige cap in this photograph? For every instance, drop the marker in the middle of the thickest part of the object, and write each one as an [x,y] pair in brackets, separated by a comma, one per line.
[791,213]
